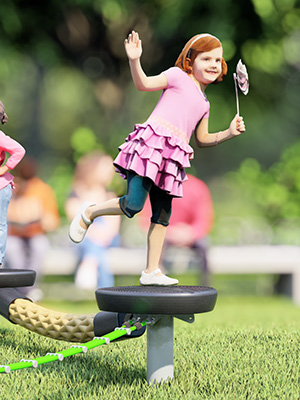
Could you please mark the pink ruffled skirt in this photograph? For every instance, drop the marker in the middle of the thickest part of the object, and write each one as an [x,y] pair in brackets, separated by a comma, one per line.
[152,151]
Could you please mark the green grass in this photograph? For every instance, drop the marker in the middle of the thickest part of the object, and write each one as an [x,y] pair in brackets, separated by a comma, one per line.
[247,348]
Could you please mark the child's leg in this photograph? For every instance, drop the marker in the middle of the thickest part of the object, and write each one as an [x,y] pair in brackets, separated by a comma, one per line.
[109,207]
[5,195]
[161,204]
[155,241]
[137,191]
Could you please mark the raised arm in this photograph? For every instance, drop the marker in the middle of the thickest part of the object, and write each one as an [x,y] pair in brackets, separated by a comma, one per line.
[133,47]
[205,139]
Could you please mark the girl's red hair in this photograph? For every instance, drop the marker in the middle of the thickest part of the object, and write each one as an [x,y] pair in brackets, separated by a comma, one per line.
[195,46]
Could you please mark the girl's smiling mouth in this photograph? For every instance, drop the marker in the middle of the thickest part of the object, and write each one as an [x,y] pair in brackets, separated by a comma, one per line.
[213,72]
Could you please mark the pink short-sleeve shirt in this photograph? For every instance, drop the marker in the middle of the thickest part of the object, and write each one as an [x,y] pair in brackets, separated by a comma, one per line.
[182,103]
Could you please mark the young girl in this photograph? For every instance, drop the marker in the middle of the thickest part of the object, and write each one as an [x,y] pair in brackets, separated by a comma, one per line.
[6,179]
[154,157]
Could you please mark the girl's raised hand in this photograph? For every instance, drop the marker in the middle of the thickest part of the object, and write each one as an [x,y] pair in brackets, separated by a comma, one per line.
[237,126]
[133,46]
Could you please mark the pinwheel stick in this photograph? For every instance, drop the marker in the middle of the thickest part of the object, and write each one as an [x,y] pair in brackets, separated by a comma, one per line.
[236,94]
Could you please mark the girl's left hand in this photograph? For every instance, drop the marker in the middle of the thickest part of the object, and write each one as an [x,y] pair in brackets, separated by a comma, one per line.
[237,126]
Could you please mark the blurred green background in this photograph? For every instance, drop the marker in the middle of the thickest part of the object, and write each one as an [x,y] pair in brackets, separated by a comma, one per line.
[66,84]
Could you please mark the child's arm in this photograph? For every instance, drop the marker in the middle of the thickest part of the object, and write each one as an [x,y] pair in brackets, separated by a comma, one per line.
[205,139]
[133,47]
[15,150]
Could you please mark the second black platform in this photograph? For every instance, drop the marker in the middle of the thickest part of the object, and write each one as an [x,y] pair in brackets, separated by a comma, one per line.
[10,278]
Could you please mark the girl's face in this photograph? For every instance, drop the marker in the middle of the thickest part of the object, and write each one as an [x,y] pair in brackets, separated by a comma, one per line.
[207,66]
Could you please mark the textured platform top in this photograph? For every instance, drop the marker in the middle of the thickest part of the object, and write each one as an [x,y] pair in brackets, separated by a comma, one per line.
[169,300]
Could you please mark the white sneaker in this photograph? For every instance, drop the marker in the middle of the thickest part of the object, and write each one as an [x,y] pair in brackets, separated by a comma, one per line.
[157,280]
[76,232]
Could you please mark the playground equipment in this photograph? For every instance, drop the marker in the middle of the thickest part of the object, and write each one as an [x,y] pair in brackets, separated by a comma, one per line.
[126,311]
[159,305]
[92,330]
[75,349]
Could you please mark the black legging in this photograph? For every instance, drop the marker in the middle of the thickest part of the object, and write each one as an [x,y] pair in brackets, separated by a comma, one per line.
[138,188]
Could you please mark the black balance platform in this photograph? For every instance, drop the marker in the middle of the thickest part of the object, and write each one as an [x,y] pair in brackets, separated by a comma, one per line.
[159,304]
[169,300]
[10,278]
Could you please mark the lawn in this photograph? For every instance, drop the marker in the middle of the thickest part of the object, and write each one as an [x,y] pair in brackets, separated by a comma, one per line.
[247,348]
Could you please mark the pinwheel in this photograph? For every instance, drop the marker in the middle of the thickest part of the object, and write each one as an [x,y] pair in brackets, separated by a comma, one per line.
[241,80]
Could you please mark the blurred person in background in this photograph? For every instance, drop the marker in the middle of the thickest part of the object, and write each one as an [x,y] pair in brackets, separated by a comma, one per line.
[16,151]
[32,213]
[191,222]
[93,174]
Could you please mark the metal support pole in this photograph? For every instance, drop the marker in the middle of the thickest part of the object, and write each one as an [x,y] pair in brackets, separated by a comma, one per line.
[160,360]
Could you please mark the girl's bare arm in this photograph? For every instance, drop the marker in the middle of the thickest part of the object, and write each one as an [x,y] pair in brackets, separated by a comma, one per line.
[205,139]
[133,47]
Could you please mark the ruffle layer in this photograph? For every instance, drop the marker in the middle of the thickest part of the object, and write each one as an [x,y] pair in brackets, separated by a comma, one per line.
[152,151]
